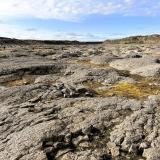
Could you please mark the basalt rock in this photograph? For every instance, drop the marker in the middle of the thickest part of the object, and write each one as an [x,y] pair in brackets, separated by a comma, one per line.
[84,101]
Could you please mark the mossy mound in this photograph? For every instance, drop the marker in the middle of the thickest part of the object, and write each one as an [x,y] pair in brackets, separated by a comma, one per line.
[139,90]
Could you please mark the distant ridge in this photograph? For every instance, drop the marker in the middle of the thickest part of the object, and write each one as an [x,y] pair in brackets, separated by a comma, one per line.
[5,41]
[148,39]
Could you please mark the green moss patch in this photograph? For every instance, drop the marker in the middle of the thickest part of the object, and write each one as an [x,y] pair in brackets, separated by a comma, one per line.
[139,90]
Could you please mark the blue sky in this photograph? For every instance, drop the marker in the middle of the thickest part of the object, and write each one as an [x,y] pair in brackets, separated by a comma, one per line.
[83,20]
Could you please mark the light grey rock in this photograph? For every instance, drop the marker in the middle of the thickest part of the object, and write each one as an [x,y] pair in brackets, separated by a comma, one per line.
[31,65]
[133,63]
[103,59]
[46,79]
[152,153]
[114,149]
[148,71]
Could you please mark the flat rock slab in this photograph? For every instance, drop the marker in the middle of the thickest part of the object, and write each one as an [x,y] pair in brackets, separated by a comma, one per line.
[147,71]
[103,59]
[27,64]
[146,66]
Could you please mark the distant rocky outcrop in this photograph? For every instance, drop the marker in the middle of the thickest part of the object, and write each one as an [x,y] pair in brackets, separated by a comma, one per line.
[150,39]
[4,40]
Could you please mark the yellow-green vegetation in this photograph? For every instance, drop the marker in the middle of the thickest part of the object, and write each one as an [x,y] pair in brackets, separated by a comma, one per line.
[141,89]
[138,90]
[19,82]
[93,85]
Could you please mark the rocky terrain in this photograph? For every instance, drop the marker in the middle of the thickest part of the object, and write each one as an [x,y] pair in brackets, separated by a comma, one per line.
[150,39]
[80,101]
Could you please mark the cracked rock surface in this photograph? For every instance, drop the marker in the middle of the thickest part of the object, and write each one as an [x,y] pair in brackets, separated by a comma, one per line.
[80,102]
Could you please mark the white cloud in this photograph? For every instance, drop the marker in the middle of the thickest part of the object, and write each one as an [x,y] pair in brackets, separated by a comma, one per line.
[14,31]
[68,10]
[72,10]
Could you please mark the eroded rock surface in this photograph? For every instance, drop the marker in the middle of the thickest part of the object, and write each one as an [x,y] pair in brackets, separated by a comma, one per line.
[80,102]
